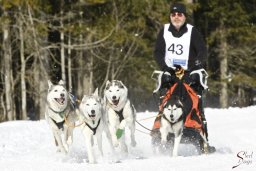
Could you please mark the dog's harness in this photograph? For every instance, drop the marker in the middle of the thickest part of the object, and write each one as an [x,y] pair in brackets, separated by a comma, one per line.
[172,124]
[93,129]
[62,114]
[58,124]
[120,115]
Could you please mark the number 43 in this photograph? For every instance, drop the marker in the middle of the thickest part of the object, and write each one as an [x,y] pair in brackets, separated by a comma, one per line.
[178,49]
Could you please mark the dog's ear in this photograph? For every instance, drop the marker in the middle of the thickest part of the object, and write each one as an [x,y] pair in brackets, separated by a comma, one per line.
[107,85]
[96,93]
[61,82]
[108,82]
[84,98]
[165,104]
[121,84]
[178,101]
[50,84]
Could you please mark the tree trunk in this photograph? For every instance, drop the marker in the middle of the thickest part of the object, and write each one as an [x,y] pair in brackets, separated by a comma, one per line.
[22,74]
[36,96]
[40,75]
[91,89]
[223,69]
[83,76]
[241,96]
[62,51]
[69,65]
[8,74]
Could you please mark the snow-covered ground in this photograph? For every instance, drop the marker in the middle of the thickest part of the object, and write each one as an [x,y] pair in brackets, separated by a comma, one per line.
[29,145]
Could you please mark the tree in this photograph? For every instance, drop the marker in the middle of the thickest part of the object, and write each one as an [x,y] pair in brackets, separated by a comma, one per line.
[228,30]
[8,79]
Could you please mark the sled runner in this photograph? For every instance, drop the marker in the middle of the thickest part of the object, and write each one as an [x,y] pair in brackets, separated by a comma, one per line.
[194,128]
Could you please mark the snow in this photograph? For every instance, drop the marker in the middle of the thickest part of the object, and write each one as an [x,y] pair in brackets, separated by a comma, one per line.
[29,145]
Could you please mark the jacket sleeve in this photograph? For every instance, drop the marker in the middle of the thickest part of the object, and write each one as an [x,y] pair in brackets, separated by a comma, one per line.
[199,47]
[159,52]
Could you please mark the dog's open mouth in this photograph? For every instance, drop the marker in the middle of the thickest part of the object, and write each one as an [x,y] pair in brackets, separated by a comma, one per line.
[92,116]
[115,102]
[60,100]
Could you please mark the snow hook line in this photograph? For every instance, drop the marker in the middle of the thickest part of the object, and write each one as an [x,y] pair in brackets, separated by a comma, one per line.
[143,126]
[158,115]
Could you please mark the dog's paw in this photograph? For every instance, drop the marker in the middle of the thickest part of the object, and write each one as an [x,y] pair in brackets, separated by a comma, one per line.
[133,143]
[69,141]
[115,143]
[92,162]
[58,150]
[163,141]
[64,151]
[66,146]
[174,155]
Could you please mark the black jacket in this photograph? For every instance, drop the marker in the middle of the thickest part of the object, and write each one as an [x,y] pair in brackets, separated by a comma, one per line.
[197,52]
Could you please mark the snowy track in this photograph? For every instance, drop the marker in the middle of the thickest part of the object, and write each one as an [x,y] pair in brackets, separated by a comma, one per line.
[28,145]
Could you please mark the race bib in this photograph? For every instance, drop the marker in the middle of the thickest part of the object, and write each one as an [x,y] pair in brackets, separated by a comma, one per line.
[177,49]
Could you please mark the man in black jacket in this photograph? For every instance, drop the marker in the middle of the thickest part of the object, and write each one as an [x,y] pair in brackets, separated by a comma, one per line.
[180,48]
[180,44]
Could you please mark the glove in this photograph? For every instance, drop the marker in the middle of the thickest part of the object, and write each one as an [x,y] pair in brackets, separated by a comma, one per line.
[187,79]
[179,71]
[194,79]
[169,69]
[119,133]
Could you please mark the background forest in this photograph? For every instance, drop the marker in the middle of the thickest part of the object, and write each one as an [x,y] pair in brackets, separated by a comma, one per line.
[87,42]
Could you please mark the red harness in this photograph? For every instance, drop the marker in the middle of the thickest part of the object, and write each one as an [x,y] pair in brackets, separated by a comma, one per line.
[189,122]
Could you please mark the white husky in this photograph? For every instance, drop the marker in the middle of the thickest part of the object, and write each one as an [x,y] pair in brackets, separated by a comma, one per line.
[60,116]
[120,113]
[90,113]
[172,122]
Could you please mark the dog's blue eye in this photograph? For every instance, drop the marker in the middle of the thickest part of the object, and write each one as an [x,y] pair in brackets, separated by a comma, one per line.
[87,104]
[117,90]
[55,90]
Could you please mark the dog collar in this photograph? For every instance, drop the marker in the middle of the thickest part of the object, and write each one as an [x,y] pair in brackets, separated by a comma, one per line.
[93,129]
[61,113]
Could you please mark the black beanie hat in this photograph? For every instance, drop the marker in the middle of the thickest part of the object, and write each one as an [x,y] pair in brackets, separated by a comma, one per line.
[178,7]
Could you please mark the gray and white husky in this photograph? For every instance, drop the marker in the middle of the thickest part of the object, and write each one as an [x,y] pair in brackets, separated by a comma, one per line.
[60,116]
[120,113]
[90,114]
[172,122]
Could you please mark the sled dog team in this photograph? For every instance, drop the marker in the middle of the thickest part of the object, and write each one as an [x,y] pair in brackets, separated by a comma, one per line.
[111,114]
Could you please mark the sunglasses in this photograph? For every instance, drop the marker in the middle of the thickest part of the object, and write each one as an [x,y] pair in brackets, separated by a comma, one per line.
[176,14]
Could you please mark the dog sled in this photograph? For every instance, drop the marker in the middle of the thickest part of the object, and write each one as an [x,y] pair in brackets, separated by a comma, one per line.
[194,127]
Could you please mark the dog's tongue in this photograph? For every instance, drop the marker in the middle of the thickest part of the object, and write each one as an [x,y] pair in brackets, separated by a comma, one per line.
[60,100]
[115,102]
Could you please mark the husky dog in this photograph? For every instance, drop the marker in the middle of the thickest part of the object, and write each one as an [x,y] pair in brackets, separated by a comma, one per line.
[172,122]
[90,112]
[120,113]
[60,116]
